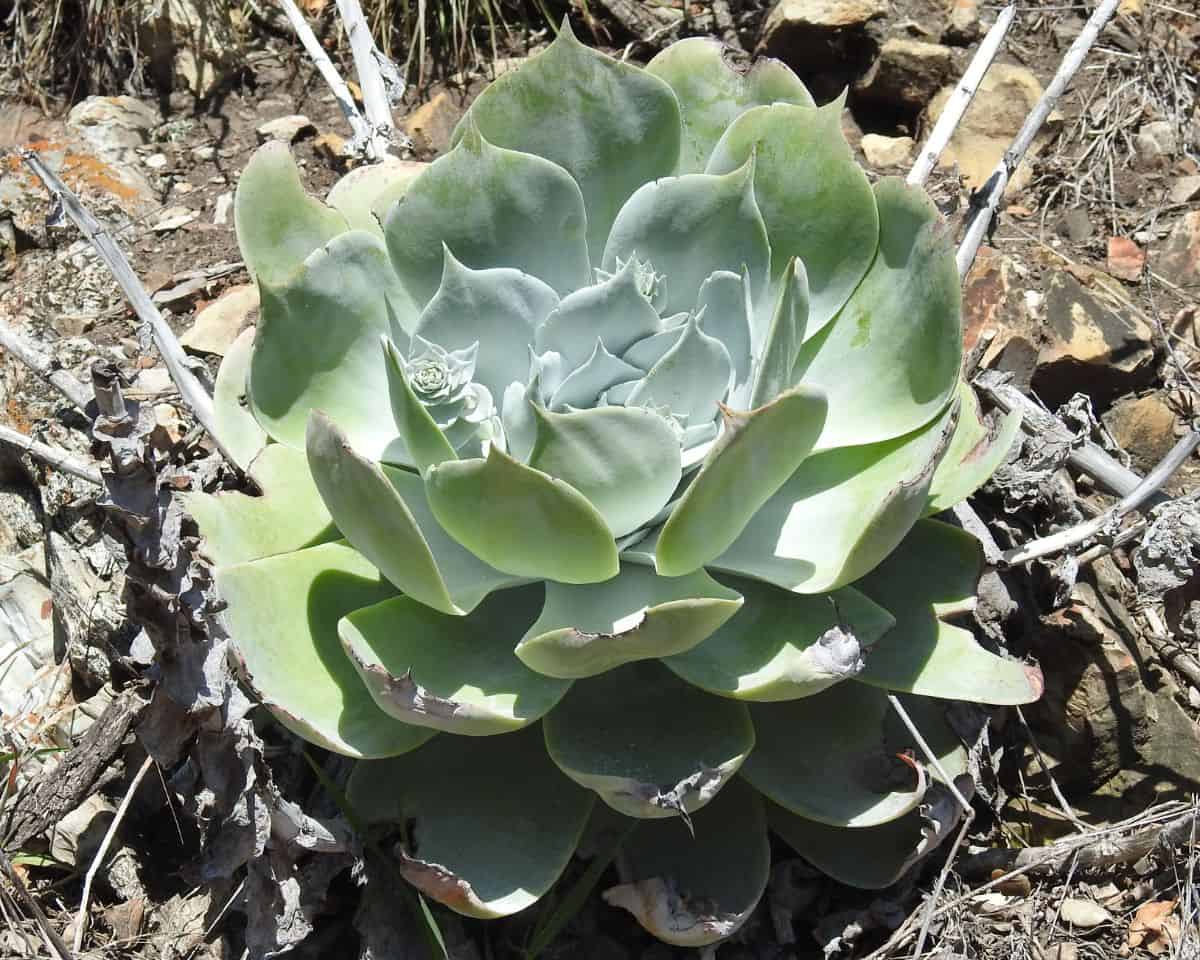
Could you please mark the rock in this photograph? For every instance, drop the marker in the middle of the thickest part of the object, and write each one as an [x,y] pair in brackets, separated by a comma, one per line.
[1093,342]
[1125,259]
[113,126]
[824,41]
[1179,262]
[964,28]
[1063,951]
[173,218]
[432,123]
[222,208]
[887,151]
[192,44]
[1184,190]
[332,147]
[1144,427]
[907,74]
[285,129]
[77,836]
[219,323]
[204,153]
[1083,914]
[1076,225]
[1005,97]
[1155,145]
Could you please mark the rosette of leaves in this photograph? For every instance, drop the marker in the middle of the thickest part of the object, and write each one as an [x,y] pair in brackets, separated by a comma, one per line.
[597,465]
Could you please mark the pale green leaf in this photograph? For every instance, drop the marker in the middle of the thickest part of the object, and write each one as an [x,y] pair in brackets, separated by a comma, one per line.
[931,574]
[691,379]
[839,514]
[776,351]
[754,456]
[317,345]
[814,198]
[727,315]
[493,208]
[624,460]
[288,515]
[614,311]
[422,441]
[712,94]
[824,757]
[587,629]
[282,614]
[582,387]
[611,125]
[239,432]
[783,645]
[499,309]
[456,674]
[365,189]
[521,521]
[278,224]
[890,361]
[974,453]
[694,888]
[649,744]
[492,822]
[385,516]
[688,227]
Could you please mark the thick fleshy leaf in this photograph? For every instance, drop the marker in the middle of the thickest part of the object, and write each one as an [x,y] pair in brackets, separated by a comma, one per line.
[317,345]
[423,442]
[239,431]
[784,645]
[288,516]
[493,208]
[492,823]
[727,315]
[611,125]
[614,311]
[498,308]
[693,888]
[776,352]
[712,94]
[456,674]
[583,386]
[754,456]
[870,858]
[624,460]
[824,757]
[839,514]
[521,521]
[360,192]
[385,516]
[587,629]
[688,227]
[649,744]
[974,453]
[900,333]
[646,353]
[932,574]
[278,224]
[691,379]
[282,614]
[814,198]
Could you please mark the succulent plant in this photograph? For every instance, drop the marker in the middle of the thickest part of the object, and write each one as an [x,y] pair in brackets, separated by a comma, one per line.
[598,459]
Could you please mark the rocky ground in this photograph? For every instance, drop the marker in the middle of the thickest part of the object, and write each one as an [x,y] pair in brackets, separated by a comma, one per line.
[1085,297]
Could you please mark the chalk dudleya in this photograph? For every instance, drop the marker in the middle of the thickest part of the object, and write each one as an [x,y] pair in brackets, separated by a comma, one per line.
[598,460]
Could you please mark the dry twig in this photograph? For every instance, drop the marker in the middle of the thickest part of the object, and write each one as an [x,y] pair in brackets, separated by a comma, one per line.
[44,366]
[53,456]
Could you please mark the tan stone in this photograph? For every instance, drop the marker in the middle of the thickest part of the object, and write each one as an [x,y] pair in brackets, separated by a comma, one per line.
[432,123]
[1006,95]
[907,72]
[1142,426]
[1179,263]
[887,151]
[1125,259]
[218,324]
[823,13]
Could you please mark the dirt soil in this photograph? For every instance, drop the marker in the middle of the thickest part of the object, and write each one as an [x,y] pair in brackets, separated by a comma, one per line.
[1086,294]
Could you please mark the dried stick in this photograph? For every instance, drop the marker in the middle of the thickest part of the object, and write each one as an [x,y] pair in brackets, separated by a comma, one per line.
[102,852]
[369,63]
[32,906]
[53,456]
[178,366]
[363,138]
[1072,536]
[1088,458]
[987,200]
[43,366]
[964,93]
